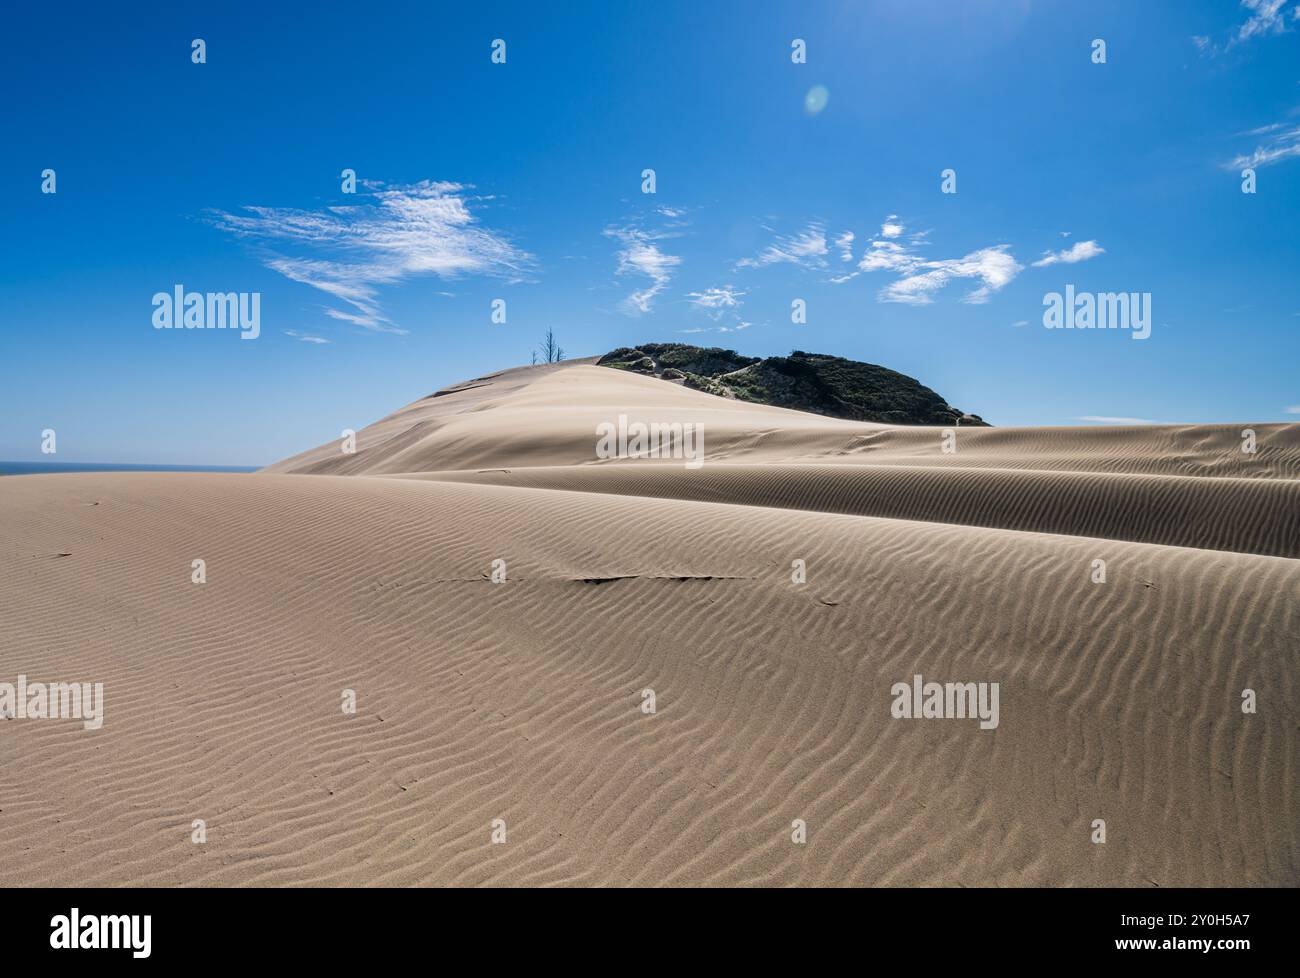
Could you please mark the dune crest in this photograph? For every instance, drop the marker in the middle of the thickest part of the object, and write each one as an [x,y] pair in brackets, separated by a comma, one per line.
[1180,485]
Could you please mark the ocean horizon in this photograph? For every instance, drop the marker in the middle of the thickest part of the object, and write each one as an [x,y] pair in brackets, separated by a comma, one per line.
[49,468]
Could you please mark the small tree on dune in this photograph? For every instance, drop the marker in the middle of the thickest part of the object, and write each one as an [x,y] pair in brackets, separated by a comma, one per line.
[552,352]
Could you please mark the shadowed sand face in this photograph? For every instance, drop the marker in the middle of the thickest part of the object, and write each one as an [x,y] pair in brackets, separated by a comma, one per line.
[571,670]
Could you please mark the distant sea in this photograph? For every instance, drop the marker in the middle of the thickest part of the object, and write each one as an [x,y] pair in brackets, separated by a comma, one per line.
[38,468]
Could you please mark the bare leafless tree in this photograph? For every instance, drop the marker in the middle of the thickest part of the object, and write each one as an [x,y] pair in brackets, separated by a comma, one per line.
[552,352]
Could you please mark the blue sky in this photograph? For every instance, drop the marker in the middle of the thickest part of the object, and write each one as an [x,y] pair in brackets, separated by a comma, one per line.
[523,181]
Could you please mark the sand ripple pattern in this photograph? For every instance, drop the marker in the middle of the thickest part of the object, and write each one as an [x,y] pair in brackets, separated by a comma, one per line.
[521,701]
[1259,516]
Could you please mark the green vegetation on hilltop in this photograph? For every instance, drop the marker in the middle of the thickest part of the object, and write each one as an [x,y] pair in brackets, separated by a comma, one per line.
[813,382]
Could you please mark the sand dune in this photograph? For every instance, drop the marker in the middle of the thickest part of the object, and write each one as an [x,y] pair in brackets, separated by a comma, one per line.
[1259,516]
[522,700]
[547,415]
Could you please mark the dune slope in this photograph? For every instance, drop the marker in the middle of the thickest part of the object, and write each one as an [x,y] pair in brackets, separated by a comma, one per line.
[1180,485]
[524,700]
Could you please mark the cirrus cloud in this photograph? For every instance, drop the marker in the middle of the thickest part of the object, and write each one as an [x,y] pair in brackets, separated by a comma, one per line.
[919,278]
[808,249]
[394,232]
[640,254]
[716,300]
[1266,17]
[1111,419]
[1079,251]
[1282,142]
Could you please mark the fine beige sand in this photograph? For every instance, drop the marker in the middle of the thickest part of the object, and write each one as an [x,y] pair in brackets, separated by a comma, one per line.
[522,701]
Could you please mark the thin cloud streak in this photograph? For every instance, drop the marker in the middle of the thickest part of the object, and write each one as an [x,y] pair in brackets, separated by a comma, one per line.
[807,249]
[1267,17]
[1283,143]
[1108,419]
[394,232]
[1079,251]
[920,278]
[641,255]
[716,301]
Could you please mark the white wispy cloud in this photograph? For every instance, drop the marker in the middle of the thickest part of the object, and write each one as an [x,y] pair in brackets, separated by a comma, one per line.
[640,254]
[305,338]
[1077,252]
[716,301]
[1108,419]
[807,248]
[994,267]
[845,243]
[919,278]
[393,232]
[1263,130]
[889,256]
[1282,143]
[1266,17]
[1293,409]
[742,325]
